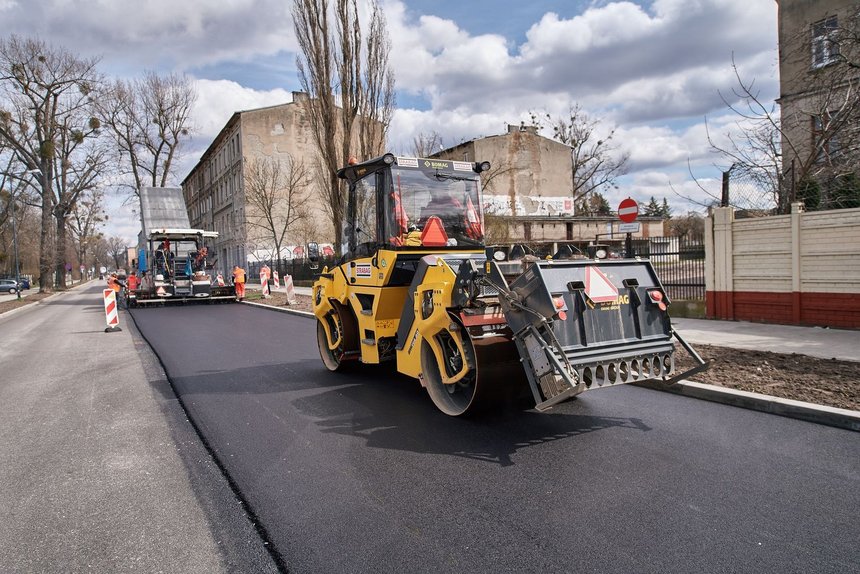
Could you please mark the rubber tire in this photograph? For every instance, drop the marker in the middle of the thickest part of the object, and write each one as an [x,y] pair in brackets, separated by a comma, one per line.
[329,359]
[457,403]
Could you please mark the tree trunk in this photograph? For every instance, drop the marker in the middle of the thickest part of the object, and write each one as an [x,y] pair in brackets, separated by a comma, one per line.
[46,255]
[61,249]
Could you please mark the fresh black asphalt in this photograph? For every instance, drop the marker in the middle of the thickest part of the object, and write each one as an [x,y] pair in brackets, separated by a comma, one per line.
[359,472]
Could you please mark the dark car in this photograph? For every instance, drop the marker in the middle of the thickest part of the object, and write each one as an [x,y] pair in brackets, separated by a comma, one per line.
[25,283]
[8,286]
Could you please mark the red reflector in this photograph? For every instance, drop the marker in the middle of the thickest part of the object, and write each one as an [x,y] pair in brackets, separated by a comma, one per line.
[656,296]
[559,302]
[562,315]
[662,306]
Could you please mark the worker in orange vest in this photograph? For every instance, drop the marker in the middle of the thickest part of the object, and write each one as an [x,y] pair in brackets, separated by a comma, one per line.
[133,282]
[239,282]
[113,282]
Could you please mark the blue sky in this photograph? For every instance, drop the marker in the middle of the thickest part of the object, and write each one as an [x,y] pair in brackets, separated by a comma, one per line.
[652,71]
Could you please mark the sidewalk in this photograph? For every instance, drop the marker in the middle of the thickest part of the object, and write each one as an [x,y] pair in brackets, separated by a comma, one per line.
[101,470]
[824,343]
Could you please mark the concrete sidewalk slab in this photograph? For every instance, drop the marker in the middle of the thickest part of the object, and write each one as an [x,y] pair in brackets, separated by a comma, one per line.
[101,470]
[821,342]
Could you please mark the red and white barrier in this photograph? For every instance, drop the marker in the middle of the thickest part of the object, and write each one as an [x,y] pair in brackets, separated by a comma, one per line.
[288,284]
[276,279]
[264,283]
[111,311]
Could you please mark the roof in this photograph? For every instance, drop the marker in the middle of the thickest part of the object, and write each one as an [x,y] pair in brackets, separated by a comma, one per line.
[163,207]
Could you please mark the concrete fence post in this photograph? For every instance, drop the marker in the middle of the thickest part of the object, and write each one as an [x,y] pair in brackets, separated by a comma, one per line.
[796,279]
[719,281]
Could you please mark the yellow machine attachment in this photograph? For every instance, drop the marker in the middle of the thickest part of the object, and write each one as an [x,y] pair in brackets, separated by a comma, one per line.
[416,288]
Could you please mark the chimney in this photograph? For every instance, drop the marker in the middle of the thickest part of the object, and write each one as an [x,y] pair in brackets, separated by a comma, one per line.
[300,97]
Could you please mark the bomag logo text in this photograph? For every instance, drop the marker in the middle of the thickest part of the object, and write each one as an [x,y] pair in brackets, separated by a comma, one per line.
[610,305]
[436,164]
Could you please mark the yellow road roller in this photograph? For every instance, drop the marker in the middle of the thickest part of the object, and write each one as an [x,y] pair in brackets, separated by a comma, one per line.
[416,286]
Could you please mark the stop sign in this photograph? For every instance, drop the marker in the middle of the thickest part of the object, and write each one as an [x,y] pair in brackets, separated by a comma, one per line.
[628,209]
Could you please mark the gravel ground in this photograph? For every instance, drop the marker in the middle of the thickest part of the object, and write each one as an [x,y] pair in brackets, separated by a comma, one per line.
[792,376]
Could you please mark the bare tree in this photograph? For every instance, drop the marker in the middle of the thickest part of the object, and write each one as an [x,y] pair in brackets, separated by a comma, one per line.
[149,118]
[339,65]
[811,143]
[49,127]
[117,249]
[690,226]
[85,219]
[597,162]
[425,145]
[79,166]
[276,192]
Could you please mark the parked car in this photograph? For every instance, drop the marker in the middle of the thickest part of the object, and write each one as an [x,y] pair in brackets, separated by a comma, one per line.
[25,283]
[8,286]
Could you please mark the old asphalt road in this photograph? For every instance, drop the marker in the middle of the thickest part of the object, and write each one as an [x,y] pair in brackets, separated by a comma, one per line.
[100,471]
[358,472]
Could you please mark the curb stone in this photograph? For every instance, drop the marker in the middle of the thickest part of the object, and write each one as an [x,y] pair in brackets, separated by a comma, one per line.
[830,416]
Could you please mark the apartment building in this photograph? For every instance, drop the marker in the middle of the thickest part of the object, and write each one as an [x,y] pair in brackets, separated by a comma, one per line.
[214,190]
[528,193]
[819,66]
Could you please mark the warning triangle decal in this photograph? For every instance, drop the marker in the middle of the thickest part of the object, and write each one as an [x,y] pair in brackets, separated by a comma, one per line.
[598,287]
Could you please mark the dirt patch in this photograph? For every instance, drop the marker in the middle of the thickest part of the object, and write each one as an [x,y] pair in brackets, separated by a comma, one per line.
[790,376]
[279,299]
[17,303]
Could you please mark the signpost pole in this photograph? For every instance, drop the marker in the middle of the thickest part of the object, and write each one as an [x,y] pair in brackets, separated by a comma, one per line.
[628,211]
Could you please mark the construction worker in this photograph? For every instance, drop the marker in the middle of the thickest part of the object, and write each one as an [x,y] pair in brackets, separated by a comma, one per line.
[239,282]
[115,284]
[133,281]
[199,257]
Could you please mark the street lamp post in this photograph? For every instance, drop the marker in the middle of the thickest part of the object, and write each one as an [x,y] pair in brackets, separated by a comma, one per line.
[15,243]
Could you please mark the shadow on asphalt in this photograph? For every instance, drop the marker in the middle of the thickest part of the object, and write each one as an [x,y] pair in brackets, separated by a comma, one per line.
[397,416]
[391,411]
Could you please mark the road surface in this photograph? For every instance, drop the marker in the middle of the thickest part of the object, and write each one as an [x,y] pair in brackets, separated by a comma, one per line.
[359,472]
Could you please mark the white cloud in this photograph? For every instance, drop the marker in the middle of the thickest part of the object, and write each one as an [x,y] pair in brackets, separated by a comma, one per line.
[135,36]
[218,100]
[668,62]
[652,70]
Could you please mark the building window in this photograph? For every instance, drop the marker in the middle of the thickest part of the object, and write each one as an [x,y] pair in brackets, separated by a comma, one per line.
[527,231]
[569,230]
[825,47]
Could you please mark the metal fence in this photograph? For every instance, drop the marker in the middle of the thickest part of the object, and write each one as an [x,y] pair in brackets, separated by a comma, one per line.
[298,269]
[680,265]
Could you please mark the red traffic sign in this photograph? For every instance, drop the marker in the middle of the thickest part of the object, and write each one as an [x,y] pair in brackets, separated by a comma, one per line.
[628,209]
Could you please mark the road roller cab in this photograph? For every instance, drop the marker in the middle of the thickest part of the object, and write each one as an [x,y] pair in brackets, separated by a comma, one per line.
[415,287]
